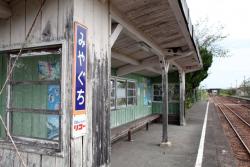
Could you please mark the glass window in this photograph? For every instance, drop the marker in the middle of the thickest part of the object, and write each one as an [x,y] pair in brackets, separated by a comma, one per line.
[121,100]
[112,98]
[157,92]
[123,93]
[34,111]
[131,91]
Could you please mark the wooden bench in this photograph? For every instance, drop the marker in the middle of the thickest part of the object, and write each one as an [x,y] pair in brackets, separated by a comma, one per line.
[128,128]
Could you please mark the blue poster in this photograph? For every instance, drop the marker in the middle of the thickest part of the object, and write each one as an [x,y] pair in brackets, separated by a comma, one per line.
[147,92]
[54,103]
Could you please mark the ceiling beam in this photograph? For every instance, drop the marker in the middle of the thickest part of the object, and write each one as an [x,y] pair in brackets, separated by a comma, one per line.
[186,54]
[140,36]
[133,32]
[146,63]
[5,11]
[152,69]
[185,27]
[171,38]
[131,68]
[115,34]
[193,70]
[124,58]
[176,8]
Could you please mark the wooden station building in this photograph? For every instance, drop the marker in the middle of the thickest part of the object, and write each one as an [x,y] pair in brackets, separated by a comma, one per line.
[84,68]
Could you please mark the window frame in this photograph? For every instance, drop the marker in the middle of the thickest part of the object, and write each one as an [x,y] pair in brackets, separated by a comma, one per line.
[135,96]
[114,98]
[126,80]
[153,95]
[116,103]
[34,144]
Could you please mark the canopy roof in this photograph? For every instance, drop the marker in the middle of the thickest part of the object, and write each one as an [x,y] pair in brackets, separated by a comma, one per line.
[144,30]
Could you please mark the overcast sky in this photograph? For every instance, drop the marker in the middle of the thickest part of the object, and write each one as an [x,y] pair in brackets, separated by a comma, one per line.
[235,17]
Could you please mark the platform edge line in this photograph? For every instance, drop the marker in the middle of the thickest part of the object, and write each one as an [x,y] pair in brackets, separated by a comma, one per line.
[199,157]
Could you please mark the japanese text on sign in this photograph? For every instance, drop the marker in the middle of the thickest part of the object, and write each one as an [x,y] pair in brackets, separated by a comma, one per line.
[79,85]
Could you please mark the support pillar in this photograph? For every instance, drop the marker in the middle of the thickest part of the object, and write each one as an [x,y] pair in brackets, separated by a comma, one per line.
[182,98]
[165,67]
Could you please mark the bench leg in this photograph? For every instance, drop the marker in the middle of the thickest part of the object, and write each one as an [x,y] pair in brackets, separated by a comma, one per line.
[129,136]
[147,125]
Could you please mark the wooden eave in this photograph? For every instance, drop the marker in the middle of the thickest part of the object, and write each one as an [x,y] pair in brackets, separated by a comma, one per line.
[164,24]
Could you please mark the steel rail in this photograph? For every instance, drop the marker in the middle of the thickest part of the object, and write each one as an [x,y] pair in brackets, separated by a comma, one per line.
[234,100]
[236,132]
[237,115]
[245,106]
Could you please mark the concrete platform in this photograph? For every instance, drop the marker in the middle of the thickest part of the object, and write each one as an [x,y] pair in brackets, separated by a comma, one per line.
[145,151]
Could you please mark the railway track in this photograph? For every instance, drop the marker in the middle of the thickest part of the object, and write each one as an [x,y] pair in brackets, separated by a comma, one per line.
[238,124]
[243,110]
[235,120]
[243,103]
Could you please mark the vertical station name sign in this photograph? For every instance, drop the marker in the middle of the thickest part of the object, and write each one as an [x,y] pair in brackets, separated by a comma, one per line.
[79,118]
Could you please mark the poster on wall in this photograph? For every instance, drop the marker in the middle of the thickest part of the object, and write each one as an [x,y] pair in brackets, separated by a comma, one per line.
[48,71]
[79,117]
[54,102]
[147,92]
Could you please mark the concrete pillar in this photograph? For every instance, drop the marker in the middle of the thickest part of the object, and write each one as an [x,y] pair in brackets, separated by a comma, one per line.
[165,67]
[182,97]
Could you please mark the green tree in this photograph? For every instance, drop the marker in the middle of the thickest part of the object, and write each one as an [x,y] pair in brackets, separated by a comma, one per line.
[193,79]
[209,38]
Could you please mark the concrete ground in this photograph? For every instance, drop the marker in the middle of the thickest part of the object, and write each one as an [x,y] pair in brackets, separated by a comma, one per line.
[144,151]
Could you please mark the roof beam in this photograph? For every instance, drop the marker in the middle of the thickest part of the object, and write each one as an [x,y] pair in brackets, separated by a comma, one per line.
[133,32]
[5,11]
[152,69]
[115,34]
[176,8]
[171,38]
[131,68]
[193,70]
[182,56]
[124,58]
[185,26]
[147,63]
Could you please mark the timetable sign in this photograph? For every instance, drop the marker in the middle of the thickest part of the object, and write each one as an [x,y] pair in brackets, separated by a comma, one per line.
[79,81]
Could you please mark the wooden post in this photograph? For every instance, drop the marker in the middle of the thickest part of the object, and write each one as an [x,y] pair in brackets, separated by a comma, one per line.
[165,67]
[182,97]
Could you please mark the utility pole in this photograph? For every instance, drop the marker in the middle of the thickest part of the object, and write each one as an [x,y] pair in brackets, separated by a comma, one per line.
[244,83]
[236,88]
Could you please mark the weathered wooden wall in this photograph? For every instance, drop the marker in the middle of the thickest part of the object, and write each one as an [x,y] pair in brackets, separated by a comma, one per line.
[54,25]
[3,69]
[95,150]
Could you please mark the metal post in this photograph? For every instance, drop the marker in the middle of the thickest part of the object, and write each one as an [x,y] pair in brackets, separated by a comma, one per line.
[182,97]
[165,67]
[244,83]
